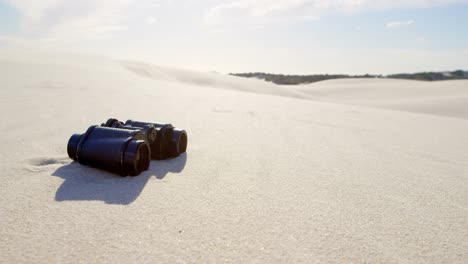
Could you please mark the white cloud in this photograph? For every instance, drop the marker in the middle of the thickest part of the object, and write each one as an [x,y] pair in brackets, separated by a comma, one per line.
[76,20]
[94,18]
[259,13]
[71,19]
[255,11]
[33,11]
[151,20]
[421,40]
[396,24]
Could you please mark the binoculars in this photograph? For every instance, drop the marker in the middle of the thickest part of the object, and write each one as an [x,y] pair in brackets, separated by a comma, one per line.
[126,148]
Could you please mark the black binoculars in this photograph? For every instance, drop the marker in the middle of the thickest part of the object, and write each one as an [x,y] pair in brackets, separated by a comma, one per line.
[126,148]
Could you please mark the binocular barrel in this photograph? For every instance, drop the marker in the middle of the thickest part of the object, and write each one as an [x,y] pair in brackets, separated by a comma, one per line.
[165,140]
[150,132]
[121,151]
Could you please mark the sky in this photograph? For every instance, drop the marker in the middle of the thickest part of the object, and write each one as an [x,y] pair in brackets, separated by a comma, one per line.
[277,36]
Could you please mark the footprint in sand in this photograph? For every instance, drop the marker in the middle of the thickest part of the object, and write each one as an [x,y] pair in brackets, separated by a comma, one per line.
[44,163]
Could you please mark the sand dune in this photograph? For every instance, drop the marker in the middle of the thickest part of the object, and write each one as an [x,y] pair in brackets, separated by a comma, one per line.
[219,81]
[339,171]
[447,98]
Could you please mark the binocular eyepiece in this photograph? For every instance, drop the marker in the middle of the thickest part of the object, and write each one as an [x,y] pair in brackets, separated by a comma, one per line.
[126,149]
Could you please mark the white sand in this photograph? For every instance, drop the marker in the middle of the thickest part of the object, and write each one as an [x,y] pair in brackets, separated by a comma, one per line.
[445,98]
[339,171]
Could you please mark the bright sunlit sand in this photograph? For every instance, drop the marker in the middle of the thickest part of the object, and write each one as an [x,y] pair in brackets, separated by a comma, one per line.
[351,170]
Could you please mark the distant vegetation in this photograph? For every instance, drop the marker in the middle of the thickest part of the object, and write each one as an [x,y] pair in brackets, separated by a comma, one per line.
[432,76]
[303,79]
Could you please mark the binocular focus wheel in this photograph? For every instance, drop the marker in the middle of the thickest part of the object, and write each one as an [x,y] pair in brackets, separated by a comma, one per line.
[110,122]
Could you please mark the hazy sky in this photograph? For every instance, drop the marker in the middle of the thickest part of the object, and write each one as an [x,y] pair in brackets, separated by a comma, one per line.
[287,36]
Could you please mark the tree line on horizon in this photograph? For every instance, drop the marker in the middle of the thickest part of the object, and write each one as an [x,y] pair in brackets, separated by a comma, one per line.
[304,79]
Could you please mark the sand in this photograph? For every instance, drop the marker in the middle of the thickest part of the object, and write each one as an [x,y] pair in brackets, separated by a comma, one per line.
[333,172]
